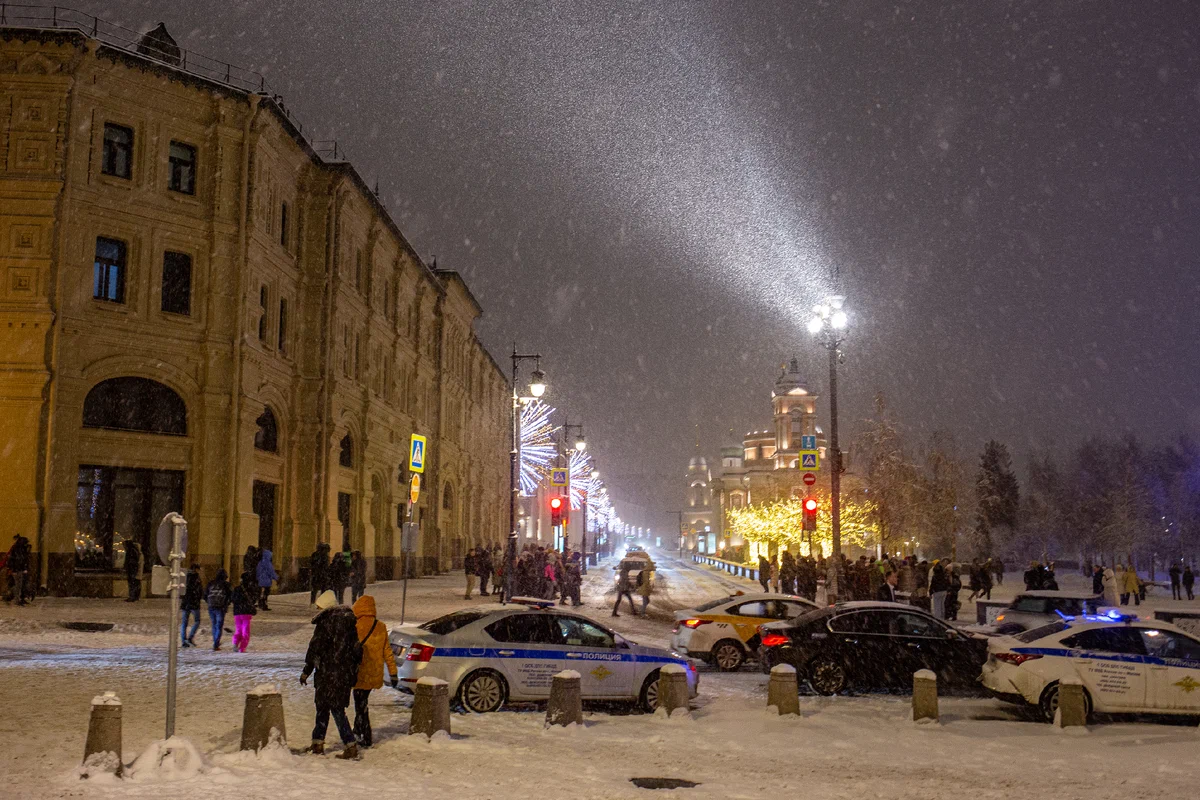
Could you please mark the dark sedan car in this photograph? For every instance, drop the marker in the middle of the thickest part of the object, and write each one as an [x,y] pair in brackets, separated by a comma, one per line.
[871,646]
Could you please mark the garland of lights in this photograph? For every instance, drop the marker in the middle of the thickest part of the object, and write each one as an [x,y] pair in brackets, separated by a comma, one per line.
[538,449]
[583,485]
[781,522]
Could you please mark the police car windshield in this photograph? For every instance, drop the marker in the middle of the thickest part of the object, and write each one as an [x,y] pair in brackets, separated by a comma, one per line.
[451,622]
[1042,632]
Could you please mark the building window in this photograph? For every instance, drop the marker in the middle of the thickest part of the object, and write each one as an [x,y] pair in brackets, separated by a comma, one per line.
[135,404]
[177,283]
[358,271]
[283,322]
[346,455]
[117,157]
[117,509]
[108,280]
[283,224]
[266,437]
[262,318]
[183,168]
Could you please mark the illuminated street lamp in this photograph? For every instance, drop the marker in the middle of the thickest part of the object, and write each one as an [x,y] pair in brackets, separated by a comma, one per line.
[537,387]
[828,326]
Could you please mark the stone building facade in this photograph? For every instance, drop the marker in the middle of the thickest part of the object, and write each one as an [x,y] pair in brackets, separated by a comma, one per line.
[200,313]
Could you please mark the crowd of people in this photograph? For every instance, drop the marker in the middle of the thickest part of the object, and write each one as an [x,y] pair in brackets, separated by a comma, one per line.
[336,572]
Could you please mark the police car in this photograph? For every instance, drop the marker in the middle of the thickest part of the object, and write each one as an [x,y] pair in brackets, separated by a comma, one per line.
[725,631]
[490,656]
[1126,665]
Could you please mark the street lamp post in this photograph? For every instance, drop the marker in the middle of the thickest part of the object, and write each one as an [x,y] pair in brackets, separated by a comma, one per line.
[537,386]
[580,445]
[829,324]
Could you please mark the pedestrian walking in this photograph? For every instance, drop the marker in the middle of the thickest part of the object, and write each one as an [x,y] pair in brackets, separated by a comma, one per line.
[624,586]
[1098,579]
[358,576]
[549,575]
[217,595]
[1049,578]
[1189,580]
[1110,586]
[470,573]
[190,605]
[250,565]
[1132,586]
[998,571]
[952,602]
[483,568]
[18,561]
[764,573]
[376,651]
[1176,584]
[645,582]
[985,580]
[574,581]
[787,573]
[133,571]
[939,585]
[318,572]
[339,575]
[266,575]
[335,654]
[974,582]
[244,610]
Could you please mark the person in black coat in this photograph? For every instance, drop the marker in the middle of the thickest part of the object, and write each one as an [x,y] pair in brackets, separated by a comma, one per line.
[217,595]
[18,562]
[318,571]
[887,590]
[1189,580]
[358,576]
[133,571]
[339,576]
[190,605]
[250,564]
[483,567]
[334,653]
[1098,579]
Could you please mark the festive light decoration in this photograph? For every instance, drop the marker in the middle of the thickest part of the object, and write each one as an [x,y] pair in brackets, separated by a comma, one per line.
[781,522]
[538,448]
[582,482]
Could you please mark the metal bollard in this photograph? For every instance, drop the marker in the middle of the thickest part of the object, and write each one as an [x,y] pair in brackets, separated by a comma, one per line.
[566,703]
[431,707]
[672,688]
[104,732]
[925,697]
[783,691]
[1072,708]
[262,715]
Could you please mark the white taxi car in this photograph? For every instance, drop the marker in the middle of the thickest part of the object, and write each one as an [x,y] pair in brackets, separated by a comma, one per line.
[725,631]
[1126,665]
[492,655]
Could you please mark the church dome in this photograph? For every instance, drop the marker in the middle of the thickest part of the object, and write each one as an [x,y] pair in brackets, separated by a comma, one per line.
[789,381]
[697,463]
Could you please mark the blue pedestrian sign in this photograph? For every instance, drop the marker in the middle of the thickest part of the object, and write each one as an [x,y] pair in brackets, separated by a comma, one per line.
[810,461]
[808,442]
[559,477]
[416,454]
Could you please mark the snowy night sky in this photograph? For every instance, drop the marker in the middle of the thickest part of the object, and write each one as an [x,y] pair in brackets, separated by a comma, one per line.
[653,196]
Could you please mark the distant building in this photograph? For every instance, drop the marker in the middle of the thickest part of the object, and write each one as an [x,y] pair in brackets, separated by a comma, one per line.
[698,522]
[201,313]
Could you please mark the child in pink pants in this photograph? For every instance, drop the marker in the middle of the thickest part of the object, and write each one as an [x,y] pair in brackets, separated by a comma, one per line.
[243,611]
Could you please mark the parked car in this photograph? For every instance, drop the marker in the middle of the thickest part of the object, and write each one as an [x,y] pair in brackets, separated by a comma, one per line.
[490,656]
[1126,665]
[871,645]
[1034,609]
[725,632]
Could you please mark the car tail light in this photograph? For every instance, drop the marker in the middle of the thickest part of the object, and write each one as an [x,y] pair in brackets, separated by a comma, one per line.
[420,652]
[695,623]
[999,618]
[774,640]
[1016,659]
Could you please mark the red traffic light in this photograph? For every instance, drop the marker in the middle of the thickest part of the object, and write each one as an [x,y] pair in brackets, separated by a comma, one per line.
[810,505]
[556,503]
[556,511]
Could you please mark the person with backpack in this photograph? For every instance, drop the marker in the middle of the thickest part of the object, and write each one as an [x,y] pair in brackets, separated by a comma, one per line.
[266,575]
[190,605]
[217,595]
[335,654]
[244,609]
[376,651]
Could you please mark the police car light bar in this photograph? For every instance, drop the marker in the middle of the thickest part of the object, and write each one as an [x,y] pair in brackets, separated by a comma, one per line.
[535,602]
[1112,615]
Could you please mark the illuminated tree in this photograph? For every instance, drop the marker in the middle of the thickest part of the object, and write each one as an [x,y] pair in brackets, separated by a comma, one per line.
[781,522]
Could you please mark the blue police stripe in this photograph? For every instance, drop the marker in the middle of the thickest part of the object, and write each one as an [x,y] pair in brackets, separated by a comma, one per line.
[569,655]
[1127,658]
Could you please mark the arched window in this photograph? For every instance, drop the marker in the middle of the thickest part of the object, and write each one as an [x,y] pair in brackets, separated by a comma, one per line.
[448,498]
[135,404]
[266,438]
[346,456]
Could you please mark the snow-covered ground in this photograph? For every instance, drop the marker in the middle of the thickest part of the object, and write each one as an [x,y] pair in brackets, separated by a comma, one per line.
[841,747]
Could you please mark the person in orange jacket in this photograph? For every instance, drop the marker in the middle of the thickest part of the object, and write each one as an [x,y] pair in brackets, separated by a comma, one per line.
[377,651]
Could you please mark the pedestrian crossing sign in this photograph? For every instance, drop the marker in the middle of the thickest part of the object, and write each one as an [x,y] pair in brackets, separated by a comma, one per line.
[416,454]
[810,461]
[558,477]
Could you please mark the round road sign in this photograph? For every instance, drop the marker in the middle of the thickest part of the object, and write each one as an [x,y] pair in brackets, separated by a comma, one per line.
[414,489]
[809,478]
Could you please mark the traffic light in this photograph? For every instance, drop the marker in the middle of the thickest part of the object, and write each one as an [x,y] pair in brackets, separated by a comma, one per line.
[556,511]
[810,514]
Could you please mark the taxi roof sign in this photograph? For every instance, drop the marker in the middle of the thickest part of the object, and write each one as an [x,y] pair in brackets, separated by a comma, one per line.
[416,453]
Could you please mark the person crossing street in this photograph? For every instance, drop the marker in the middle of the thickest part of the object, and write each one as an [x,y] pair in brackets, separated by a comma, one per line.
[376,652]
[335,654]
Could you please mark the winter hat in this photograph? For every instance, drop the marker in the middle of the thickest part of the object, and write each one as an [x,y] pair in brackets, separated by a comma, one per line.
[326,599]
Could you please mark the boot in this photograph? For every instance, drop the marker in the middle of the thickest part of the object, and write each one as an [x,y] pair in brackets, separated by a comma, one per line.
[317,748]
[351,752]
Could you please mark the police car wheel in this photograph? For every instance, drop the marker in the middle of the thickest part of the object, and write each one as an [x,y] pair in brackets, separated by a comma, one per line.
[826,676]
[727,655]
[648,698]
[482,692]
[1048,703]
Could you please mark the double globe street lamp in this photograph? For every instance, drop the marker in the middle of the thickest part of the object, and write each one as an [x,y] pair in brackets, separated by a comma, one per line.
[828,325]
[537,387]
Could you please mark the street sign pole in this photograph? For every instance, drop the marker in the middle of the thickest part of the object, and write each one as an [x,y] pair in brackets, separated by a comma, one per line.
[177,533]
[406,537]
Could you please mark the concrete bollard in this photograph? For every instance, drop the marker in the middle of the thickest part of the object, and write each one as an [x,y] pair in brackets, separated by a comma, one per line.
[566,703]
[104,731]
[925,696]
[262,715]
[431,707]
[1072,708]
[672,688]
[783,692]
